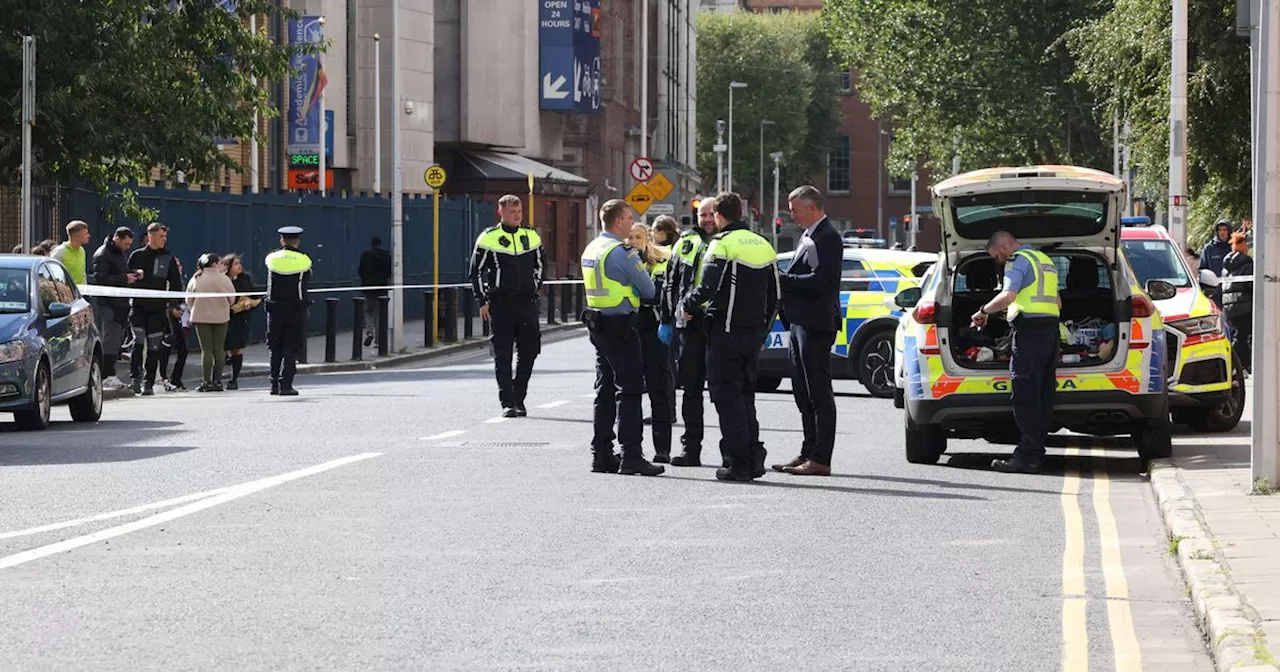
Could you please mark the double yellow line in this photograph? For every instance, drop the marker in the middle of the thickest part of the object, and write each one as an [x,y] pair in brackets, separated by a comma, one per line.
[1075,596]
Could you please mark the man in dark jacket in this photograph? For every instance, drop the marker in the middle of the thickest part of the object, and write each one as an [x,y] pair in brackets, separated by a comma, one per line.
[1215,251]
[375,271]
[111,269]
[1237,300]
[156,269]
[811,309]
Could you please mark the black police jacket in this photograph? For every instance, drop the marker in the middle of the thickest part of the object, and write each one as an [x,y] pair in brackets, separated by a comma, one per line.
[159,271]
[507,264]
[110,269]
[734,295]
[1237,295]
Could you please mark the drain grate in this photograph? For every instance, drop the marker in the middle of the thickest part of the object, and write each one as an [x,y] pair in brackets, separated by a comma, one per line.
[502,444]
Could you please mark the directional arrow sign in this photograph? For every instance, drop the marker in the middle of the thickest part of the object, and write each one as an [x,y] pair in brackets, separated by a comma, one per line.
[642,169]
[553,90]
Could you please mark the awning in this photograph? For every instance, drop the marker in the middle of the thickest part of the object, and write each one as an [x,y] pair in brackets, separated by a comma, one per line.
[489,165]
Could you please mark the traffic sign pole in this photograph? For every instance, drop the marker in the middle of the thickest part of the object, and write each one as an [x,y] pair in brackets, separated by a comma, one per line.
[435,178]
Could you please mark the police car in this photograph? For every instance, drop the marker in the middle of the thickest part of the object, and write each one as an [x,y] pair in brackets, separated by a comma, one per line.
[863,349]
[1206,388]
[1112,375]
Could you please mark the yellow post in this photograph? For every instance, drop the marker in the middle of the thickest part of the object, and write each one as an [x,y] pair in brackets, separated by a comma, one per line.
[435,266]
[531,208]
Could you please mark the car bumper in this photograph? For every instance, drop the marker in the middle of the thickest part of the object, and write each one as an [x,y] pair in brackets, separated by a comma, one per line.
[15,385]
[1069,409]
[1199,399]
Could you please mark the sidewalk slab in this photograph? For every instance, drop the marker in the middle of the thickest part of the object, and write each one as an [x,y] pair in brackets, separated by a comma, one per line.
[1229,548]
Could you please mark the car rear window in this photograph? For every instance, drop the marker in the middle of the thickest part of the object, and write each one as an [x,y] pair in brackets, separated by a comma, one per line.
[15,292]
[1031,214]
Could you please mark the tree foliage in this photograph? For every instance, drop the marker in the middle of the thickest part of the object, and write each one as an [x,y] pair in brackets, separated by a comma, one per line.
[791,80]
[992,73]
[1124,56]
[126,85]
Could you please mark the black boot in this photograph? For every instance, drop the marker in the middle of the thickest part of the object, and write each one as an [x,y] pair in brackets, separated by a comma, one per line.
[636,464]
[605,462]
[237,361]
[662,443]
[691,457]
[734,474]
[758,455]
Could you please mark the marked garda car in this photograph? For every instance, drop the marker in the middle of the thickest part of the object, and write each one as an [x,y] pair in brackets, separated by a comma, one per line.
[1206,387]
[1111,379]
[863,350]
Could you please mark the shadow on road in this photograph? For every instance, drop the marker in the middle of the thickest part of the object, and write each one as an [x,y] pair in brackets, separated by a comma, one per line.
[1118,468]
[944,484]
[879,492]
[19,456]
[109,443]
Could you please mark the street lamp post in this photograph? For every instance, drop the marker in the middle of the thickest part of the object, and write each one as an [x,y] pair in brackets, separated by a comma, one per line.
[323,187]
[732,86]
[719,149]
[777,157]
[760,194]
[880,174]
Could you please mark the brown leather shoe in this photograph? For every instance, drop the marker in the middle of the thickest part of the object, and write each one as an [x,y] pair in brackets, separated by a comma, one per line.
[810,468]
[790,465]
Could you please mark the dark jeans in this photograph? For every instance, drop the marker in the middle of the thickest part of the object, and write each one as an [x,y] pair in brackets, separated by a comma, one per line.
[175,343]
[692,371]
[149,330]
[619,385]
[810,364]
[286,329]
[1033,368]
[1242,339]
[732,360]
[515,329]
[659,384]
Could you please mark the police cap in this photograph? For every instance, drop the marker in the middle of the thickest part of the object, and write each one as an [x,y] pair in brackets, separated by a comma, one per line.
[289,230]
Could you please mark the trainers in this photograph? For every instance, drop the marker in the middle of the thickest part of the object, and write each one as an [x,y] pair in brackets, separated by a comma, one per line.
[233,385]
[112,383]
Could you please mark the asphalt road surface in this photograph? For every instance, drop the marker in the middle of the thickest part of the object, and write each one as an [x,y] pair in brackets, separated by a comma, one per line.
[392,520]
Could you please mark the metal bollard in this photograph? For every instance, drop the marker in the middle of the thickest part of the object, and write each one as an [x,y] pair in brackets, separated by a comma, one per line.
[551,303]
[449,302]
[468,308]
[357,330]
[566,301]
[384,309]
[429,338]
[331,330]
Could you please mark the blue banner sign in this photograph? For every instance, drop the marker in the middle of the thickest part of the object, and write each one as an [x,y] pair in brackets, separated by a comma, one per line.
[304,88]
[569,55]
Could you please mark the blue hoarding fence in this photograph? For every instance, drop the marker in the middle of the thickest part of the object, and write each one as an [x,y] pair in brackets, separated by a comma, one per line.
[569,55]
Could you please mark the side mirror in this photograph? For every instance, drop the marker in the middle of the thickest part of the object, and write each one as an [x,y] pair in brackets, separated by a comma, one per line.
[58,311]
[908,298]
[1209,279]
[1159,290]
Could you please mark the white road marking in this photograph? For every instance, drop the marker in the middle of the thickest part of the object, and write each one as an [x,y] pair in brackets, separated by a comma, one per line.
[229,494]
[494,421]
[443,435]
[112,514]
[553,404]
[584,396]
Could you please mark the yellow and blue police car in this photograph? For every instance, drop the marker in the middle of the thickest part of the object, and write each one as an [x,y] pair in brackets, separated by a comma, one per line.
[1112,376]
[863,350]
[1206,387]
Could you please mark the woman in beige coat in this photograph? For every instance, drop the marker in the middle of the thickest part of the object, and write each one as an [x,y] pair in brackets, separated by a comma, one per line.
[210,316]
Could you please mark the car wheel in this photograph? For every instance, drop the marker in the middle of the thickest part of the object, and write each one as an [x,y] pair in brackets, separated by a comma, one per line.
[1155,439]
[767,383]
[37,416]
[88,406]
[925,443]
[875,364]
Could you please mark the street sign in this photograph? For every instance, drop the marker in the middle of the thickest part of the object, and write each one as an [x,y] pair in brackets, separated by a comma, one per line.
[662,209]
[309,178]
[660,186]
[435,177]
[642,169]
[640,199]
[569,65]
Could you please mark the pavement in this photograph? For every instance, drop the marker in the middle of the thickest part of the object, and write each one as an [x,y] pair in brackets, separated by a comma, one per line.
[1228,543]
[391,519]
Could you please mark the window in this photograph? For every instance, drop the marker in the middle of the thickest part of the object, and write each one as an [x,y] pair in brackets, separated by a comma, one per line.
[1155,260]
[900,185]
[47,287]
[1030,214]
[852,268]
[846,82]
[62,286]
[1071,268]
[15,293]
[838,166]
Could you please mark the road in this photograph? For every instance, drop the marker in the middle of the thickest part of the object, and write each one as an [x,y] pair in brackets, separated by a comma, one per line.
[391,520]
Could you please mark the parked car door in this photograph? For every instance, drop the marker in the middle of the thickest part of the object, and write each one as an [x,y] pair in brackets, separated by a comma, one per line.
[83,333]
[59,341]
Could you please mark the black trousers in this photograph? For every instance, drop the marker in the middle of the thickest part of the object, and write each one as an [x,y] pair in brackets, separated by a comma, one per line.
[515,329]
[1033,367]
[619,385]
[732,360]
[175,343]
[658,383]
[810,365]
[149,330]
[692,372]
[1242,339]
[286,329]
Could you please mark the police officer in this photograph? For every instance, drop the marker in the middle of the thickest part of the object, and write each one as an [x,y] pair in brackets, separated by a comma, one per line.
[288,279]
[684,272]
[653,328]
[506,276]
[738,298]
[616,281]
[1031,295]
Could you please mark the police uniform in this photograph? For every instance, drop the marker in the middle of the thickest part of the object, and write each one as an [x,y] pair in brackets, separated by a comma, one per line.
[288,280]
[657,362]
[1034,317]
[738,295]
[506,275]
[684,271]
[615,282]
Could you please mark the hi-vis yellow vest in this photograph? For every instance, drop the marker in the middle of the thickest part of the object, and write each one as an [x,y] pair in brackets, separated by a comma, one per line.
[660,268]
[603,291]
[1040,297]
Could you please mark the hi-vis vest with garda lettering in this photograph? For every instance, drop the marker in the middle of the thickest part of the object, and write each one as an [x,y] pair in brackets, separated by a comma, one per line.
[686,252]
[603,291]
[1040,297]
[660,269]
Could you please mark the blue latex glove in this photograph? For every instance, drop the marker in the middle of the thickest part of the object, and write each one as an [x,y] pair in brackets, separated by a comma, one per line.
[664,333]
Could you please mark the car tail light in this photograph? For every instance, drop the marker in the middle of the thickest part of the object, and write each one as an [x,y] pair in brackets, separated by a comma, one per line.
[926,312]
[1141,306]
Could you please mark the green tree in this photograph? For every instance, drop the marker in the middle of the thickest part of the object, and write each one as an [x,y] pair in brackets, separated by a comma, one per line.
[1124,56]
[992,73]
[791,81]
[126,85]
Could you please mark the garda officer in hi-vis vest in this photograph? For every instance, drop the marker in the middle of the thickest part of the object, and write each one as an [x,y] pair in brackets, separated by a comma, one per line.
[616,281]
[683,275]
[287,301]
[1031,295]
[738,298]
[506,276]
